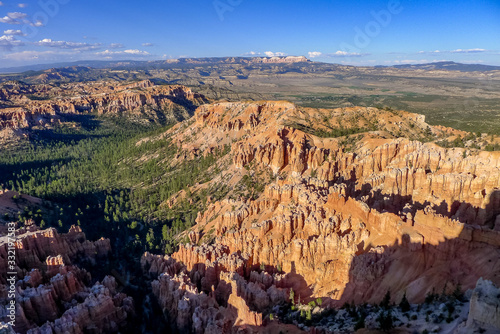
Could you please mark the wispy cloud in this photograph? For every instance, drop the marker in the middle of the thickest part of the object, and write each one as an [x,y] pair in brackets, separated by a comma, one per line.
[9,20]
[274,54]
[477,50]
[8,42]
[31,55]
[47,42]
[468,51]
[22,5]
[267,54]
[116,45]
[133,52]
[19,18]
[314,54]
[37,24]
[1,3]
[337,54]
[17,15]
[13,32]
[147,44]
[252,53]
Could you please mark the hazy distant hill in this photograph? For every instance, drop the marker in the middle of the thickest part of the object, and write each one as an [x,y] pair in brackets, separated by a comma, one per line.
[451,66]
[174,63]
[156,64]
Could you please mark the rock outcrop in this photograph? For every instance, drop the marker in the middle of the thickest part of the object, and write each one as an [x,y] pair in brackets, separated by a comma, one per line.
[55,296]
[212,292]
[345,216]
[485,305]
[44,106]
[44,249]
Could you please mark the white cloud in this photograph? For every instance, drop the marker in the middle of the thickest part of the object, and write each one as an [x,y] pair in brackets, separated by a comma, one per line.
[7,42]
[337,54]
[8,20]
[18,18]
[116,45]
[347,54]
[125,52]
[22,5]
[147,44]
[47,42]
[274,54]
[37,23]
[252,53]
[1,3]
[455,51]
[137,52]
[17,15]
[468,51]
[314,54]
[13,32]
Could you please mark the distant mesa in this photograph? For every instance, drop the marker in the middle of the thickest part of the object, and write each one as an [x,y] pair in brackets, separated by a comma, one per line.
[242,60]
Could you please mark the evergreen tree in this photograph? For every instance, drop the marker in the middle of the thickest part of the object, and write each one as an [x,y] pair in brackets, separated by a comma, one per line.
[387,300]
[404,304]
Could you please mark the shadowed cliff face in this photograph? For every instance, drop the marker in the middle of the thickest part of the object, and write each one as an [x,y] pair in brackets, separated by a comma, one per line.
[344,219]
[205,289]
[418,269]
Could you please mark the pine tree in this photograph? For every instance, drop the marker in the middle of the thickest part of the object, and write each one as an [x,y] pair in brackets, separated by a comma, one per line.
[165,232]
[387,300]
[404,304]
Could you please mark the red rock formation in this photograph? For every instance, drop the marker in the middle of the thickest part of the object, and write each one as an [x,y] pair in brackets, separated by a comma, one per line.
[45,105]
[38,249]
[124,99]
[101,312]
[343,224]
[209,293]
[54,294]
[16,118]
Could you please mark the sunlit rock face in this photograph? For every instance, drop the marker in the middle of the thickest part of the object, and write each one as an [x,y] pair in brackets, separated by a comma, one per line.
[344,219]
[26,107]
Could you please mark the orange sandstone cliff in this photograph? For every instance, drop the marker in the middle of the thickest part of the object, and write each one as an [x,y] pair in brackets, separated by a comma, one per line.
[344,218]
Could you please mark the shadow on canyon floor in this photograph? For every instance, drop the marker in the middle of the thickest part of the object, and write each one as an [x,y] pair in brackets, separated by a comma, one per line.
[418,269]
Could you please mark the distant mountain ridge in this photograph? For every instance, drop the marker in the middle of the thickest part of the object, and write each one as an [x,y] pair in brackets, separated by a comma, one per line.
[450,66]
[103,64]
[159,64]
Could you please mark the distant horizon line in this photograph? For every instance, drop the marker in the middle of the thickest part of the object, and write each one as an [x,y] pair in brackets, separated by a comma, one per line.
[63,64]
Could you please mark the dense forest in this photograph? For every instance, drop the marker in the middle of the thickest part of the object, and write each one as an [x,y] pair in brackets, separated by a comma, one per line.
[98,177]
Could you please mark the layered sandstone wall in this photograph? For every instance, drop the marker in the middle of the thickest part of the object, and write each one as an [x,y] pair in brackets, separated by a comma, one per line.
[349,222]
[45,105]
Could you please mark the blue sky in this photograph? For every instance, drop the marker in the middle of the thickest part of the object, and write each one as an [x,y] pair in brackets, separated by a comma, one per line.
[350,32]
